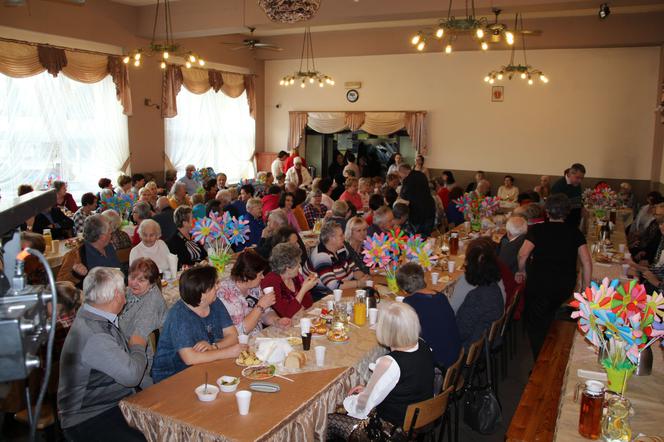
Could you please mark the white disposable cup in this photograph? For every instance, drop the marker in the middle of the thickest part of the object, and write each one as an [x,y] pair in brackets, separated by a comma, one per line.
[330,305]
[244,339]
[243,398]
[373,315]
[625,269]
[305,325]
[628,255]
[268,290]
[434,278]
[466,226]
[450,266]
[167,275]
[369,283]
[621,248]
[55,245]
[173,264]
[399,298]
[320,355]
[338,293]
[360,292]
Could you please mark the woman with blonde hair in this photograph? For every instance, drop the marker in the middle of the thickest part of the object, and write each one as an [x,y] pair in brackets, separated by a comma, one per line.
[355,234]
[402,377]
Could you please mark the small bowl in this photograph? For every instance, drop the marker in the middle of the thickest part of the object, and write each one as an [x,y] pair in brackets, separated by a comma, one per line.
[212,392]
[228,388]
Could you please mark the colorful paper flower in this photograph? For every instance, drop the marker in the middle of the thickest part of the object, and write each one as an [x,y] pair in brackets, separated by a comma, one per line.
[419,251]
[629,299]
[204,230]
[236,231]
[376,251]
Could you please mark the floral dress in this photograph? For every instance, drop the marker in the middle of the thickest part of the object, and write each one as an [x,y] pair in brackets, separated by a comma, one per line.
[239,306]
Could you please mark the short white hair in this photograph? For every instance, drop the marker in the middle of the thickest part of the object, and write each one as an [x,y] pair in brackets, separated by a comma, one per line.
[398,326]
[113,219]
[516,226]
[147,224]
[190,167]
[101,284]
[224,196]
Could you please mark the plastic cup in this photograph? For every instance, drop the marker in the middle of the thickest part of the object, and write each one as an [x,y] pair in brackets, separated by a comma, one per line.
[305,325]
[338,293]
[360,292]
[243,398]
[434,278]
[625,269]
[244,339]
[466,226]
[330,305]
[621,248]
[399,298]
[369,283]
[173,264]
[306,341]
[320,355]
[628,255]
[373,315]
[450,266]
[55,245]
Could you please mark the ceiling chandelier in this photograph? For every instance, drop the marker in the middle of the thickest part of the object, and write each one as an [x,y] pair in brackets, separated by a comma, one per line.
[289,11]
[451,27]
[307,73]
[524,71]
[164,49]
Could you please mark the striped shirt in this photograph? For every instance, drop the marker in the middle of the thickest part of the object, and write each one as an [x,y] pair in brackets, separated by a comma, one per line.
[332,269]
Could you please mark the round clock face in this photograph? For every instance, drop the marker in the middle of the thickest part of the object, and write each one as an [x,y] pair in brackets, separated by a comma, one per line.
[352,95]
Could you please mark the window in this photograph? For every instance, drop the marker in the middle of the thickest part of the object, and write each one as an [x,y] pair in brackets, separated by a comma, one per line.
[212,130]
[58,128]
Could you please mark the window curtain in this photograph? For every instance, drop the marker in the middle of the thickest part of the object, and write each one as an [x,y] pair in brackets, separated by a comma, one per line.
[296,126]
[212,130]
[58,128]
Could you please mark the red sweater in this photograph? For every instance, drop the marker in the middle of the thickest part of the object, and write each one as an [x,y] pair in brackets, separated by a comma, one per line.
[289,162]
[286,305]
[270,202]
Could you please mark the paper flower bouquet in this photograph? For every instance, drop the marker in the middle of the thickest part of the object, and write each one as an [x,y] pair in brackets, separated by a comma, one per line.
[474,207]
[123,204]
[621,321]
[220,234]
[601,198]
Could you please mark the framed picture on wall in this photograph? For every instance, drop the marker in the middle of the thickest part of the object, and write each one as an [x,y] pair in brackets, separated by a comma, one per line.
[497,93]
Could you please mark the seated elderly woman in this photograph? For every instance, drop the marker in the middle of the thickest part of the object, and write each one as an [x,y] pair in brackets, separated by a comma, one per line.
[276,221]
[402,377]
[249,308]
[314,210]
[139,213]
[356,233]
[653,274]
[291,290]
[510,243]
[98,366]
[178,196]
[96,251]
[145,309]
[331,262]
[478,307]
[188,251]
[439,328]
[119,238]
[197,328]
[151,246]
[64,199]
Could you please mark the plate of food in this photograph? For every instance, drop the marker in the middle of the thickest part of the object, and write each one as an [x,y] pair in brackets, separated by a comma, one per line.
[259,372]
[337,335]
[294,340]
[247,358]
[318,326]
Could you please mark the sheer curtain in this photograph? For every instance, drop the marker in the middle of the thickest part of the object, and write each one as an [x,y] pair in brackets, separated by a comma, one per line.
[58,128]
[212,130]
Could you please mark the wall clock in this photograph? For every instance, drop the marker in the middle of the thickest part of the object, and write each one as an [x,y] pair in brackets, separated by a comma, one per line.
[352,95]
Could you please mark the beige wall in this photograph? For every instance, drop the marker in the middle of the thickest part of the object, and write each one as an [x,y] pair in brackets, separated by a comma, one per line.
[597,108]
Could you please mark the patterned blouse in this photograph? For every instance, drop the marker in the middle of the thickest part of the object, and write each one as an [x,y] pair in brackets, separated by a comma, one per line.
[120,240]
[239,306]
[313,214]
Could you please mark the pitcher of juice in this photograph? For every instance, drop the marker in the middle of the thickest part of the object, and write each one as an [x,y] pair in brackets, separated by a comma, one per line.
[360,309]
[454,243]
[592,404]
[615,425]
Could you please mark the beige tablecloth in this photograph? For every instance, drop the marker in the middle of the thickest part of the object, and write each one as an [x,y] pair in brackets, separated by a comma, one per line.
[645,392]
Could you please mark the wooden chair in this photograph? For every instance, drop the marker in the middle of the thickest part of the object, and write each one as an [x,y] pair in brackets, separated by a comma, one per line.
[451,379]
[494,333]
[508,333]
[123,255]
[422,416]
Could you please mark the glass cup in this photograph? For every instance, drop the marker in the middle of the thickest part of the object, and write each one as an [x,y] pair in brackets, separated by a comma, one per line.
[306,341]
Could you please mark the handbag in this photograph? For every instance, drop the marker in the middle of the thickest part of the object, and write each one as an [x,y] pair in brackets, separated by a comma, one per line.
[482,411]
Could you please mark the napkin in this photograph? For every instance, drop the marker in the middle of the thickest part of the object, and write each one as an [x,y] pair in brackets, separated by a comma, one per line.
[273,351]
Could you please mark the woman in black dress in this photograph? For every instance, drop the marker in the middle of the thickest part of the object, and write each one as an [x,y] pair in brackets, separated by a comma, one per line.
[553,248]
[189,252]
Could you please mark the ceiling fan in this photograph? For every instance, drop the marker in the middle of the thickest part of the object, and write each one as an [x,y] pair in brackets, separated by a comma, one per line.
[252,43]
[499,32]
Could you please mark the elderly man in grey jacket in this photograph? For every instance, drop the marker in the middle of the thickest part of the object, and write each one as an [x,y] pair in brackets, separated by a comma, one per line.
[98,367]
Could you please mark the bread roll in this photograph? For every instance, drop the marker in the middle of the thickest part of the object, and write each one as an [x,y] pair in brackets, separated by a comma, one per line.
[295,359]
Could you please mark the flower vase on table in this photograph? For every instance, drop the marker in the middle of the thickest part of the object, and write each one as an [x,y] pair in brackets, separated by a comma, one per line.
[392,285]
[220,233]
[475,223]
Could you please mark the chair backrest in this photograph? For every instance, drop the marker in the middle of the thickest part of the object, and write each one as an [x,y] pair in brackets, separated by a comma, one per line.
[496,327]
[475,350]
[423,413]
[509,313]
[123,255]
[153,339]
[453,371]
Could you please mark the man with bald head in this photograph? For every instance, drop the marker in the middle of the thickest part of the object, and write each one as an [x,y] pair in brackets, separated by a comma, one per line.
[164,218]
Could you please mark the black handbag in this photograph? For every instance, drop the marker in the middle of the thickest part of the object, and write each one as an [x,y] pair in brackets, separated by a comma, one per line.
[482,411]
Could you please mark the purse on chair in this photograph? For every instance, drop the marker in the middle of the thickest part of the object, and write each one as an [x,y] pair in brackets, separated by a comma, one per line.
[482,411]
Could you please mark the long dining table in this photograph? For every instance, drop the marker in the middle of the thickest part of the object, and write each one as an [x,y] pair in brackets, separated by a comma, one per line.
[170,411]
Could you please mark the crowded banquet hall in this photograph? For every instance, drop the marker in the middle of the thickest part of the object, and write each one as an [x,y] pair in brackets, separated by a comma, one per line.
[331,220]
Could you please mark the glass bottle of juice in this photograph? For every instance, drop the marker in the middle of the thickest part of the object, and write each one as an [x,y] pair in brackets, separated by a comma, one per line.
[360,310]
[48,240]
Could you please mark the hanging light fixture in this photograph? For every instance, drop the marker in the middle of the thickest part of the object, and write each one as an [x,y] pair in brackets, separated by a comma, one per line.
[449,28]
[163,49]
[524,71]
[307,73]
[289,11]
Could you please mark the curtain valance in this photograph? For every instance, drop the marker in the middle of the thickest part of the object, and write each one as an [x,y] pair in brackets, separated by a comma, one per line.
[375,123]
[20,60]
[199,81]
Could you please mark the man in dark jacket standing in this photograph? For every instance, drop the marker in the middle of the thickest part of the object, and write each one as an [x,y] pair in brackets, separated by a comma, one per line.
[415,190]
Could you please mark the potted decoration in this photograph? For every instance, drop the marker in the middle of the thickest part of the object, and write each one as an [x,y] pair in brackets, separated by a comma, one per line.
[121,203]
[622,321]
[220,233]
[601,200]
[475,207]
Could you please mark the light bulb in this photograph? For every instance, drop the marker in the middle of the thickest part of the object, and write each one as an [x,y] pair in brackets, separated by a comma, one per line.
[192,58]
[188,64]
[163,65]
[440,32]
[491,81]
[487,78]
[126,60]
[165,55]
[500,76]
[292,81]
[311,80]
[479,33]
[327,80]
[509,37]
[201,62]
[448,49]
[485,46]
[416,39]
[137,56]
[530,81]
[137,63]
[320,84]
[544,79]
[331,82]
[420,46]
[523,75]
[302,85]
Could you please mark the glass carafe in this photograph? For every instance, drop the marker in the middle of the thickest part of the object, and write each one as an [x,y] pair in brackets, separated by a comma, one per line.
[590,411]
[615,425]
